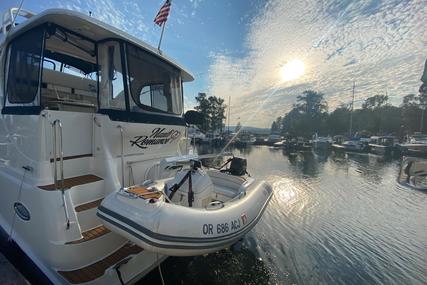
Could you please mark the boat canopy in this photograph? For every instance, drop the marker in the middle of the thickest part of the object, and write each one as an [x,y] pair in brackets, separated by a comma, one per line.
[90,28]
[64,60]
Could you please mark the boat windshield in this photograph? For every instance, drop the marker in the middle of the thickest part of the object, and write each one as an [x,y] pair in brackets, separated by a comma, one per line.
[62,70]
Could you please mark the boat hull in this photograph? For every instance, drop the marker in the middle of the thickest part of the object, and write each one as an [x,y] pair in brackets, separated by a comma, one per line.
[380,149]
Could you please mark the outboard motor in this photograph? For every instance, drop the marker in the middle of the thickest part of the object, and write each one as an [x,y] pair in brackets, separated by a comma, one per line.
[191,188]
[237,167]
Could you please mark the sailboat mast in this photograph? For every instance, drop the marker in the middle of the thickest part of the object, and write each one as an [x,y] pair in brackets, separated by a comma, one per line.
[352,108]
[229,106]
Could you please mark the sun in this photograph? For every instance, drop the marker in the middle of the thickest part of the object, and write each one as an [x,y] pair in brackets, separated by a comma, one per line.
[292,70]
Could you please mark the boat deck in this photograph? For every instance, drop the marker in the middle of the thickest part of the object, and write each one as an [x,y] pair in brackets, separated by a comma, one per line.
[97,269]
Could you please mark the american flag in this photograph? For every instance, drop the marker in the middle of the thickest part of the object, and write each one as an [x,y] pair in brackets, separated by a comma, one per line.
[163,14]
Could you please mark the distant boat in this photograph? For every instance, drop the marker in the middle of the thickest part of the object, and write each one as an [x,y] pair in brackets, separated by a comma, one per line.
[273,138]
[322,142]
[195,135]
[245,139]
[281,143]
[382,145]
[413,173]
[352,146]
[415,145]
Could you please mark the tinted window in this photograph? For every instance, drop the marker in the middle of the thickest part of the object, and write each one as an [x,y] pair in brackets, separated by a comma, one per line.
[154,85]
[24,67]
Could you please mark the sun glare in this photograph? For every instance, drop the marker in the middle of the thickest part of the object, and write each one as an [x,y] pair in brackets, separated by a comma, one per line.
[292,70]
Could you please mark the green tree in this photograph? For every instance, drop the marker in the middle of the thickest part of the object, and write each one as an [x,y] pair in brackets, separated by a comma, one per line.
[216,113]
[312,103]
[375,102]
[212,109]
[203,108]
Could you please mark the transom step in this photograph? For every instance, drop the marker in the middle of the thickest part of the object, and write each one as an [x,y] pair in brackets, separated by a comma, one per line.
[97,269]
[88,206]
[73,181]
[91,234]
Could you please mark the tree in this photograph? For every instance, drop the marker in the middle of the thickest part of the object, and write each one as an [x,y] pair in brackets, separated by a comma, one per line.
[309,116]
[203,108]
[212,109]
[375,102]
[411,113]
[312,103]
[274,127]
[216,113]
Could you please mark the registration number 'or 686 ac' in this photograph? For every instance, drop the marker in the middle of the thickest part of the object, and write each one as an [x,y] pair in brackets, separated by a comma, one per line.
[222,228]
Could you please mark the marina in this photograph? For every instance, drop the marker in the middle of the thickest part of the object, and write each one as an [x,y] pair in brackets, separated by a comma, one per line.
[279,158]
[333,219]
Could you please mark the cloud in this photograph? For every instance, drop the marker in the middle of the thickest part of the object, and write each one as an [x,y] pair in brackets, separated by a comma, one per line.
[379,44]
[126,15]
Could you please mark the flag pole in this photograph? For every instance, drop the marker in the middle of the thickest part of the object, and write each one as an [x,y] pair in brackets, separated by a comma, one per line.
[161,36]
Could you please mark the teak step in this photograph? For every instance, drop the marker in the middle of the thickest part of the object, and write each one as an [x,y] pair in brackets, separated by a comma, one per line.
[72,157]
[97,269]
[88,206]
[73,181]
[91,234]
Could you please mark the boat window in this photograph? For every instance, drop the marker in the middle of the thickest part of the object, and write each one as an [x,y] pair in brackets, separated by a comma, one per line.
[69,81]
[112,90]
[23,75]
[154,85]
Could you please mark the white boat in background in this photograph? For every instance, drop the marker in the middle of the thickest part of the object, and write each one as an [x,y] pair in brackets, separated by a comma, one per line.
[274,138]
[414,145]
[413,173]
[87,110]
[322,142]
[382,145]
[351,146]
[195,135]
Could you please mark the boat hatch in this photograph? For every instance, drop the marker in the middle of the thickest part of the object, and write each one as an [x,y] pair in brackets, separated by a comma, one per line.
[50,67]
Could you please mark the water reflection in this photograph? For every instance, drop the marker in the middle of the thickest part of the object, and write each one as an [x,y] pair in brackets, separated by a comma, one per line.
[333,219]
[235,266]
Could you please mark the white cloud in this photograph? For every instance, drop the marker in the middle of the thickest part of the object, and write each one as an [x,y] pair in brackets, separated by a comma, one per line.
[380,45]
[126,15]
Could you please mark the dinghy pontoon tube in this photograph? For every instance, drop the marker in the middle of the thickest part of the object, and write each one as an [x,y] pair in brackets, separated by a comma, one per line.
[225,208]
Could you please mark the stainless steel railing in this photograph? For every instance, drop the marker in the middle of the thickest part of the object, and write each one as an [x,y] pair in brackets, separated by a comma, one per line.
[122,155]
[59,154]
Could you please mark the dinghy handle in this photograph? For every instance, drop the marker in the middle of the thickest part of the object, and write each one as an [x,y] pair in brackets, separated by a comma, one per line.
[215,205]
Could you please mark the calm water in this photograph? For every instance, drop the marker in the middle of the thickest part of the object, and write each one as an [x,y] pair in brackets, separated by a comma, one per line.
[332,220]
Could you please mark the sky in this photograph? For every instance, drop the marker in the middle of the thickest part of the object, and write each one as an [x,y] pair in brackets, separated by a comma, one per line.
[238,48]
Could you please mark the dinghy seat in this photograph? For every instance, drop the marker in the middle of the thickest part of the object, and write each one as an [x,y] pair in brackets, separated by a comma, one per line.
[143,192]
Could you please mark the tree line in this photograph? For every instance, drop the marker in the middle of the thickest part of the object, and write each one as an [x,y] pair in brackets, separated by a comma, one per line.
[310,115]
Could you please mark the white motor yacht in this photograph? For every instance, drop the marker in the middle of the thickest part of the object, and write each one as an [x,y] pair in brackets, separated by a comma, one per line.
[88,114]
[415,145]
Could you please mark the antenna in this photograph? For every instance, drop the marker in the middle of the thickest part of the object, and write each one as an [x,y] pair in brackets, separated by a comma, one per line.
[352,108]
[229,106]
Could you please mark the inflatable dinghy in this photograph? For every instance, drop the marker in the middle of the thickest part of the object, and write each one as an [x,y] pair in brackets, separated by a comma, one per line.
[196,212]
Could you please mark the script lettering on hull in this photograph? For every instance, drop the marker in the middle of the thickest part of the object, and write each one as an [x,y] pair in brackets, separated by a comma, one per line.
[158,136]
